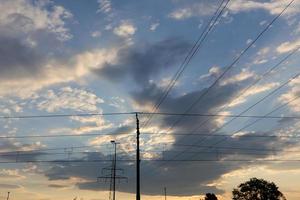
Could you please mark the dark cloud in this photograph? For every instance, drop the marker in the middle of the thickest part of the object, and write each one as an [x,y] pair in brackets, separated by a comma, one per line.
[124,129]
[18,59]
[181,178]
[11,150]
[10,186]
[57,186]
[145,62]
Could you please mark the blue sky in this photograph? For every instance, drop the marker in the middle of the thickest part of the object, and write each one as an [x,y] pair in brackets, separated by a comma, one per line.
[101,56]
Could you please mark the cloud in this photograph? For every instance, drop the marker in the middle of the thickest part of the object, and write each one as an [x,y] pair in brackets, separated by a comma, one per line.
[74,99]
[28,33]
[18,59]
[274,7]
[145,68]
[154,26]
[175,174]
[104,6]
[10,106]
[240,77]
[13,145]
[204,8]
[143,63]
[252,92]
[96,34]
[13,150]
[52,71]
[58,186]
[288,46]
[193,10]
[11,174]
[125,29]
[27,17]
[214,71]
[10,186]
[291,96]
[69,99]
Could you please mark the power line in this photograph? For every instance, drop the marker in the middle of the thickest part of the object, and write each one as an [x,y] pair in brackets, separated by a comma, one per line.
[54,149]
[63,135]
[257,120]
[151,160]
[234,148]
[201,134]
[253,84]
[231,65]
[147,113]
[197,133]
[244,151]
[220,115]
[13,153]
[212,22]
[250,107]
[66,115]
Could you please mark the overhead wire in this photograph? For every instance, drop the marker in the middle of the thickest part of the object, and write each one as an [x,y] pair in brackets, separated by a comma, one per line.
[250,107]
[244,91]
[147,160]
[231,65]
[193,51]
[146,113]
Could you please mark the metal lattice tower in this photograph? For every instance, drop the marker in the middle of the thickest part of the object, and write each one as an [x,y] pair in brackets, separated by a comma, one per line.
[112,175]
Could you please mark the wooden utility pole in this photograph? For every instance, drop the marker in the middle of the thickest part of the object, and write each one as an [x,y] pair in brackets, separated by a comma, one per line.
[138,191]
[165,191]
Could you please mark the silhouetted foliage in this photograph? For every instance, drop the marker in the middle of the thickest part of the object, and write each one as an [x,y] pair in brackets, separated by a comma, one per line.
[257,189]
[210,196]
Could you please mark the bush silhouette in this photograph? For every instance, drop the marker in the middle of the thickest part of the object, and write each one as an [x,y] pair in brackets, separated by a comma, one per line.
[210,196]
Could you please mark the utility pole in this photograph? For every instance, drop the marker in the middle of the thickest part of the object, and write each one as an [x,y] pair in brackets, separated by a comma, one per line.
[7,195]
[113,173]
[114,169]
[165,191]
[138,191]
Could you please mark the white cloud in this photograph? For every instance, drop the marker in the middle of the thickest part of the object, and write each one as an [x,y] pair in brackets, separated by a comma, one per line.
[71,99]
[104,6]
[202,9]
[154,26]
[274,7]
[248,41]
[125,29]
[88,124]
[291,96]
[181,13]
[288,46]
[197,9]
[262,55]
[11,174]
[263,51]
[9,106]
[54,72]
[23,16]
[117,102]
[242,76]
[95,34]
[214,72]
[251,92]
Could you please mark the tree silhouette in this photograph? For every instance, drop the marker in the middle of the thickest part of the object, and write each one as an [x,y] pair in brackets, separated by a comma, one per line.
[210,196]
[257,189]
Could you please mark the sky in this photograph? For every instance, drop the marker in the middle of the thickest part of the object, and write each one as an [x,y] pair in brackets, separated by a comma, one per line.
[72,57]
